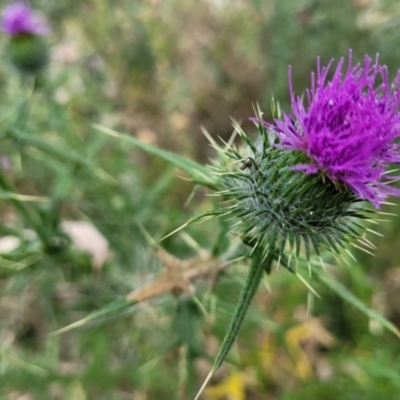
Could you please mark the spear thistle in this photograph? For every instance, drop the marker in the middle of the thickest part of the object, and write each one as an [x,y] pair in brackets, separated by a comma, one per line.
[313,175]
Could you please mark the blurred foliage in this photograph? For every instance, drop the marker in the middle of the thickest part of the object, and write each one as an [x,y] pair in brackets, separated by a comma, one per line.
[159,71]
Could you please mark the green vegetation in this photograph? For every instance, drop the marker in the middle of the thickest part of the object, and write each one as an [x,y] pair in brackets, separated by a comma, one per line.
[92,304]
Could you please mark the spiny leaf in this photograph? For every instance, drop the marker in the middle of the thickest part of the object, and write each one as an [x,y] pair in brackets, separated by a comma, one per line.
[109,310]
[197,172]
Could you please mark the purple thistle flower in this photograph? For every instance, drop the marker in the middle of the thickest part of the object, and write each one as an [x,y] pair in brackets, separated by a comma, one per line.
[348,128]
[18,18]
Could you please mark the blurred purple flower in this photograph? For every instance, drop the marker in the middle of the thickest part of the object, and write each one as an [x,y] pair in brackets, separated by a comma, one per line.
[348,128]
[18,18]
[5,163]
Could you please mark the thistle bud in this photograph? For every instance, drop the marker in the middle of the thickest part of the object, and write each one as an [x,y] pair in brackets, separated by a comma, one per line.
[27,49]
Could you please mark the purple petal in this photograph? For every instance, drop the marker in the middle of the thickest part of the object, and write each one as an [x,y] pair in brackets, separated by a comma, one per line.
[18,18]
[349,126]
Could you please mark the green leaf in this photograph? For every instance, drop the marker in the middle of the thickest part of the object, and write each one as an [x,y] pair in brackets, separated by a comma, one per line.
[197,172]
[110,310]
[57,151]
[346,295]
[23,365]
[4,195]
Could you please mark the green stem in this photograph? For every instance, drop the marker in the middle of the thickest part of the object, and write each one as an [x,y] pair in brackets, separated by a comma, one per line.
[254,276]
[26,214]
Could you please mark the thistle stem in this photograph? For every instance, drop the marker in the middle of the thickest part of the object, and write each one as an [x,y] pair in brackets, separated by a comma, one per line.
[253,279]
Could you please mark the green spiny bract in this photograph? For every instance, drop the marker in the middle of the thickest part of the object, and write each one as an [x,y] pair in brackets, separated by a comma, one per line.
[276,208]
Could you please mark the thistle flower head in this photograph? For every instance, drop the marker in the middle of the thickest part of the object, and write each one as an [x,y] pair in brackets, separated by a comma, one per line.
[348,127]
[18,18]
[278,209]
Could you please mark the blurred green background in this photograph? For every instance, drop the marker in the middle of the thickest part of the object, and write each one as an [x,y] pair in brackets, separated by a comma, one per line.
[161,70]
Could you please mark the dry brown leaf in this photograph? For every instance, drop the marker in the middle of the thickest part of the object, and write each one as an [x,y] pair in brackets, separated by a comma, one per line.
[177,275]
[302,341]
